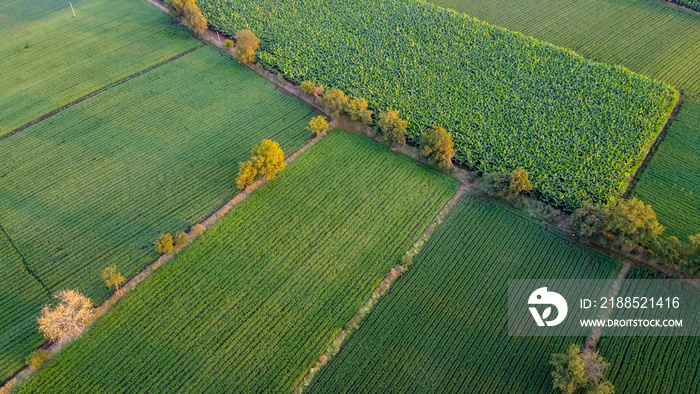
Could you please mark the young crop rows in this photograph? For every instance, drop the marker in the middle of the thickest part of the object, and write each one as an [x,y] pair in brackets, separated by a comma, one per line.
[96,184]
[443,327]
[579,127]
[48,58]
[252,304]
[646,36]
[671,180]
[20,295]
[652,364]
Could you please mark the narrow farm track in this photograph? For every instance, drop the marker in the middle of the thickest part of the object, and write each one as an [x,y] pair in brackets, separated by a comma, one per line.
[94,93]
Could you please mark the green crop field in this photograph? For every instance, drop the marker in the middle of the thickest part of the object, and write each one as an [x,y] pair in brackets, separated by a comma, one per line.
[21,295]
[671,180]
[652,364]
[579,127]
[48,58]
[97,183]
[443,326]
[645,36]
[253,303]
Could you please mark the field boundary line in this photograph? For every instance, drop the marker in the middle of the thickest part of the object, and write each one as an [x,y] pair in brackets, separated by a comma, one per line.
[384,286]
[95,93]
[54,348]
[25,264]
[596,332]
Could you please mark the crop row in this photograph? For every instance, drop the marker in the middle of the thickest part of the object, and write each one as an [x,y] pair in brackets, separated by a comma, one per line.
[254,302]
[96,184]
[443,327]
[652,364]
[49,58]
[579,127]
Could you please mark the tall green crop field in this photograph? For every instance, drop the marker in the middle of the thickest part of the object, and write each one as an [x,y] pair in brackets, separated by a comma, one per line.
[579,127]
[96,184]
[48,58]
[646,36]
[253,303]
[443,326]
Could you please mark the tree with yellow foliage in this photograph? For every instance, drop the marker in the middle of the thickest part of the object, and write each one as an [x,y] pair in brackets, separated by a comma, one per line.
[318,125]
[246,45]
[164,243]
[437,147]
[112,277]
[69,318]
[246,174]
[393,128]
[190,15]
[268,158]
[267,161]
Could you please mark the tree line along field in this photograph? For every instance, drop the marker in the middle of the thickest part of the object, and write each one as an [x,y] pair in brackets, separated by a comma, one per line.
[579,127]
[443,325]
[254,302]
[652,364]
[671,180]
[50,59]
[646,36]
[96,184]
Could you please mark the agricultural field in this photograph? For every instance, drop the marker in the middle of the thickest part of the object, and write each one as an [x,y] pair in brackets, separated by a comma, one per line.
[652,364]
[442,327]
[49,59]
[671,180]
[26,296]
[581,128]
[97,183]
[250,305]
[646,36]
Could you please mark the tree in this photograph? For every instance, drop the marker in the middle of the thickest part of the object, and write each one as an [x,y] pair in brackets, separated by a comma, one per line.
[181,238]
[247,173]
[190,15]
[691,263]
[632,223]
[246,45]
[335,101]
[37,358]
[112,277]
[590,221]
[307,87]
[506,184]
[318,125]
[574,370]
[569,374]
[164,243]
[268,159]
[393,128]
[437,146]
[69,318]
[519,181]
[228,43]
[357,109]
